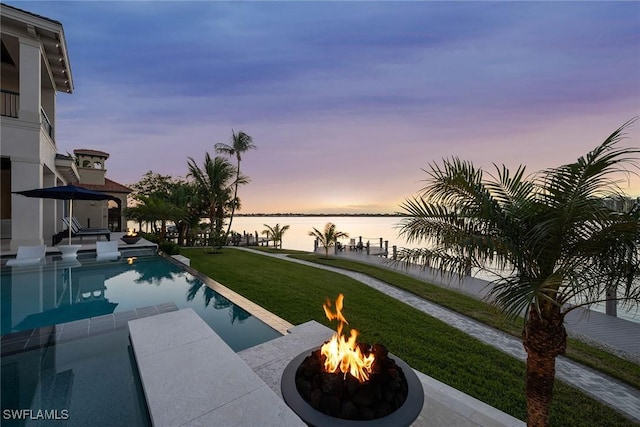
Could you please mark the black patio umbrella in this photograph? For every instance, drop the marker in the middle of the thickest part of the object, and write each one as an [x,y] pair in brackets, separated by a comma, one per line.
[66,192]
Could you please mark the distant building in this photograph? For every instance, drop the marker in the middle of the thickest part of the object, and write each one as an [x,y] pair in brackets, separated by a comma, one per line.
[35,68]
[91,165]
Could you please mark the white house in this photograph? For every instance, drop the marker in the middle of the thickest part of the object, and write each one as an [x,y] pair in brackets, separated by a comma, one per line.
[35,68]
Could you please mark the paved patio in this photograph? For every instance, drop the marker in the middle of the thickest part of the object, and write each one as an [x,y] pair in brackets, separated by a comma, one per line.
[88,245]
[216,386]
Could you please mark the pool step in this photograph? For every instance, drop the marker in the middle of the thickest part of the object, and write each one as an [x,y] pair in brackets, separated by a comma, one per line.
[190,375]
[30,339]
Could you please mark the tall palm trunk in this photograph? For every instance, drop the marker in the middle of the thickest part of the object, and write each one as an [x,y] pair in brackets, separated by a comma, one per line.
[212,224]
[182,233]
[163,230]
[219,225]
[233,205]
[544,339]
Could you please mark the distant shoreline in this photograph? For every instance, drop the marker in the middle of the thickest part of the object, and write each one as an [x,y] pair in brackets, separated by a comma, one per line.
[321,214]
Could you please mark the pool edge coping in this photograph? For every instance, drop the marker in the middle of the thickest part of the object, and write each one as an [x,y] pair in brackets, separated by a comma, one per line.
[264,315]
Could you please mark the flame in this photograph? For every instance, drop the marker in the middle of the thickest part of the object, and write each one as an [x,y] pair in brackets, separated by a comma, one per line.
[342,354]
[131,232]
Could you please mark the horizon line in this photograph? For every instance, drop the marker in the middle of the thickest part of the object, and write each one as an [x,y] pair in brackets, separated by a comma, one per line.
[318,214]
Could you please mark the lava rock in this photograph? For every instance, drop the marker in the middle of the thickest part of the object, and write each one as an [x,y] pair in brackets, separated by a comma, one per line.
[343,396]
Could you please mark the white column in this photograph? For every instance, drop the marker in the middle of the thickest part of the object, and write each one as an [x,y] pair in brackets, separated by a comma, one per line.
[26,212]
[49,214]
[29,81]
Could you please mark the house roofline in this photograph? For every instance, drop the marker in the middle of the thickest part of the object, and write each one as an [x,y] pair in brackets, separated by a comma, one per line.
[51,34]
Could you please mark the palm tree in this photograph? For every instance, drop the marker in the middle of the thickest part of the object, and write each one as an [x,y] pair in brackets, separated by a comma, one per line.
[214,182]
[329,237]
[276,232]
[134,213]
[156,208]
[551,239]
[151,185]
[240,144]
[185,194]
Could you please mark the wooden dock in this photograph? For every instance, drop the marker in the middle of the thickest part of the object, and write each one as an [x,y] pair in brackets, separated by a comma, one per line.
[362,245]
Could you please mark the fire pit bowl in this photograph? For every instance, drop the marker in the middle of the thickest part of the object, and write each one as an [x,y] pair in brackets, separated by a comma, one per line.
[130,240]
[402,416]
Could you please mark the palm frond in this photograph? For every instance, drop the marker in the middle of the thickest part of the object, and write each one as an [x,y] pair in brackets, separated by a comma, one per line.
[549,235]
[513,295]
[239,144]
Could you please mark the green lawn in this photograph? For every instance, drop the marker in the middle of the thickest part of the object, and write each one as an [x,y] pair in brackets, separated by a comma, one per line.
[296,293]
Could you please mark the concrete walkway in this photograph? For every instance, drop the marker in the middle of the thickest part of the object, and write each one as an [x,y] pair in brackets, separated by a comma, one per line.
[614,393]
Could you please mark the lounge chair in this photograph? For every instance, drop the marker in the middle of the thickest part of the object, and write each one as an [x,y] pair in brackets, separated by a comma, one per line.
[107,250]
[77,231]
[77,226]
[29,255]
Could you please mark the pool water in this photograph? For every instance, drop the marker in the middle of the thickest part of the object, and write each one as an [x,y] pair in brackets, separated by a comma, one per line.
[91,379]
[61,292]
[87,382]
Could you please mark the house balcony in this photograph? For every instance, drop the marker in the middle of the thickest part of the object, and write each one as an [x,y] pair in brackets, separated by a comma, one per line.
[10,105]
[45,123]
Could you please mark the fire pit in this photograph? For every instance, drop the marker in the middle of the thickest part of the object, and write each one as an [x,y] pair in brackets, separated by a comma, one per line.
[344,383]
[131,237]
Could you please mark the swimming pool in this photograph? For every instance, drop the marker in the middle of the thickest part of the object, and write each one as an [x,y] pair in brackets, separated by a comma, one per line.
[86,382]
[82,371]
[62,292]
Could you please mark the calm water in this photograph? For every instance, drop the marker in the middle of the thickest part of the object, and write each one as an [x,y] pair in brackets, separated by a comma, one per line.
[297,236]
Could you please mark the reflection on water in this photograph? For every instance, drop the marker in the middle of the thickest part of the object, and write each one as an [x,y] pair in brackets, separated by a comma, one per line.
[57,293]
[153,273]
[219,302]
[239,314]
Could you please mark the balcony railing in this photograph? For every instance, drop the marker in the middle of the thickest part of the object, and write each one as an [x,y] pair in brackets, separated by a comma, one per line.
[45,123]
[9,103]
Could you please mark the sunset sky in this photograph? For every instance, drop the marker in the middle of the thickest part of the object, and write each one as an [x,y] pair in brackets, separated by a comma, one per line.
[346,101]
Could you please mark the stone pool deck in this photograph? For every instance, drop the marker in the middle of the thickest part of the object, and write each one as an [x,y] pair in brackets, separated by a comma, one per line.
[191,377]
